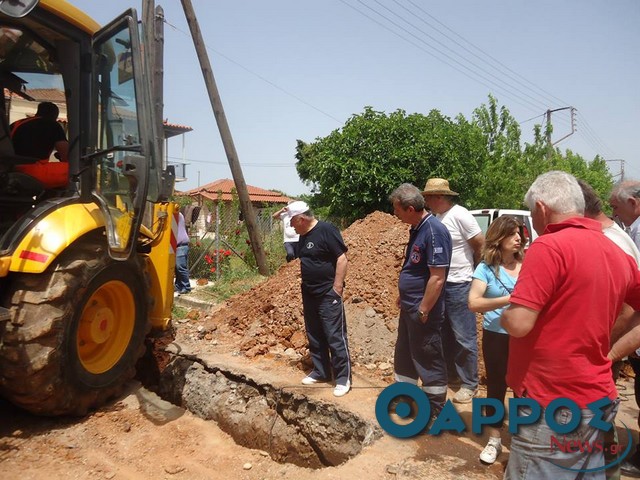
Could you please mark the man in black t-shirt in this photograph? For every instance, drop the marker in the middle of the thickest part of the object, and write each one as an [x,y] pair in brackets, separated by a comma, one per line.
[323,265]
[39,135]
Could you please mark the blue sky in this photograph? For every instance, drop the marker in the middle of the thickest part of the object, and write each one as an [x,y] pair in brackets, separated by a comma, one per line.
[296,69]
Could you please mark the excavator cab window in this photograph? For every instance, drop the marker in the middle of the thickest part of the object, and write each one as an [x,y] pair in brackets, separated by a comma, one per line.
[28,69]
[22,51]
[123,143]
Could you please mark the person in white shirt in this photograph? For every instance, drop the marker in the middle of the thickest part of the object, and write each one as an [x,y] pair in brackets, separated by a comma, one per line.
[593,209]
[625,204]
[289,233]
[460,322]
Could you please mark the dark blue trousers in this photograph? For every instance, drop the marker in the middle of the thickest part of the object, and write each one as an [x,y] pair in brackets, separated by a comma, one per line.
[326,327]
[419,354]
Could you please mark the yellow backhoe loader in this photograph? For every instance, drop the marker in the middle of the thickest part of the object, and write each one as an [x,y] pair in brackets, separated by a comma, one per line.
[86,268]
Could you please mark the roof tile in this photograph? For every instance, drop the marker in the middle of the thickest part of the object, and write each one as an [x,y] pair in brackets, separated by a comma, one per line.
[221,189]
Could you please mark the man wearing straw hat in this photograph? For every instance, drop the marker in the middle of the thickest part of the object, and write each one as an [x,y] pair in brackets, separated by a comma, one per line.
[460,338]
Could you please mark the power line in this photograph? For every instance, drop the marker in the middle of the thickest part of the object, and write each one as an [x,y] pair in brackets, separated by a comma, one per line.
[248,164]
[550,95]
[477,75]
[545,101]
[593,134]
[479,67]
[532,118]
[587,132]
[546,96]
[286,92]
[590,141]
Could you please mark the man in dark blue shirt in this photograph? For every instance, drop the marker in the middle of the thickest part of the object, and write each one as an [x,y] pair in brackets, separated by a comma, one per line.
[418,352]
[323,265]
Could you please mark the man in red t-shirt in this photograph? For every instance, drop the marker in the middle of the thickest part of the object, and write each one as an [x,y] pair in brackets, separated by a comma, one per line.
[570,290]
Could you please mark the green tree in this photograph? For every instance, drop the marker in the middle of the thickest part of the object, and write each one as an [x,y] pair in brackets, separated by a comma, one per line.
[510,169]
[353,170]
[503,176]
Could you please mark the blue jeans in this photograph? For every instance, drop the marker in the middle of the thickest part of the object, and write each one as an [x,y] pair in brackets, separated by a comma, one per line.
[292,250]
[182,269]
[533,455]
[461,350]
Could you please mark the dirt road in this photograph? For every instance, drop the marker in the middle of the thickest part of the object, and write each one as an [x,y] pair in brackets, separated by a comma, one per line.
[140,436]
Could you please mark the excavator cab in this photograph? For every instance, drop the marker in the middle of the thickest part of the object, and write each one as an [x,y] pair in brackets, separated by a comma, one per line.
[114,153]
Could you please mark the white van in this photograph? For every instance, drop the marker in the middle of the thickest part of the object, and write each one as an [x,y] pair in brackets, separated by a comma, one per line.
[487,215]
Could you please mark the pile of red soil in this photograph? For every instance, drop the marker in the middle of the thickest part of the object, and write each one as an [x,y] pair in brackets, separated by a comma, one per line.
[269,316]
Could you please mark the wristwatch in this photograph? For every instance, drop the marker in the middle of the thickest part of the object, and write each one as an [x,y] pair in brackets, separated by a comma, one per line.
[422,314]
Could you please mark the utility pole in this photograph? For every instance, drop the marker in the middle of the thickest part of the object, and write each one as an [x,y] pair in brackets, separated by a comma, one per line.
[550,129]
[621,174]
[227,140]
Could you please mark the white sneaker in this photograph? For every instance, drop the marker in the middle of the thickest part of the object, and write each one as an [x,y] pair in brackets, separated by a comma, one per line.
[309,380]
[491,452]
[342,390]
[465,395]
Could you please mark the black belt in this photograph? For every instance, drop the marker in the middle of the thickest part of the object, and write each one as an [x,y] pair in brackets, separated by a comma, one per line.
[183,244]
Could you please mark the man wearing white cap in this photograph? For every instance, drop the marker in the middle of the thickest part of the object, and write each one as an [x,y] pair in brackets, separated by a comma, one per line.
[323,265]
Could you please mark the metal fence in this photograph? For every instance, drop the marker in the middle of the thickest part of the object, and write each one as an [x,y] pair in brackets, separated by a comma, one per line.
[220,241]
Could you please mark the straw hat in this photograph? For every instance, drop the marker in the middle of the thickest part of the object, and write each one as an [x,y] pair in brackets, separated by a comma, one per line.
[438,186]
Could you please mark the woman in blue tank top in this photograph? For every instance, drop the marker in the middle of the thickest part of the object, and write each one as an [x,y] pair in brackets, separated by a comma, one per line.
[491,287]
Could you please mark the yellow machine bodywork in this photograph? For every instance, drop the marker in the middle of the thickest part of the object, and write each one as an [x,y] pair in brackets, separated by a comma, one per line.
[71,14]
[52,236]
[64,226]
[87,270]
[161,264]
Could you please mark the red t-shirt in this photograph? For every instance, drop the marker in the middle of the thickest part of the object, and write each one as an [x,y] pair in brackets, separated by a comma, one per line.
[577,280]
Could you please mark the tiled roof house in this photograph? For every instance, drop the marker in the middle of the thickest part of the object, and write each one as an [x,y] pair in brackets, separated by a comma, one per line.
[221,190]
[220,194]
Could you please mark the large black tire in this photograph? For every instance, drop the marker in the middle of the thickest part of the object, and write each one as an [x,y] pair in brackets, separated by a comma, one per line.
[76,332]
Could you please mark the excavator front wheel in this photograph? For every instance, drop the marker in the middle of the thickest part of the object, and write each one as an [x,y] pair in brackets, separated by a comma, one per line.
[76,332]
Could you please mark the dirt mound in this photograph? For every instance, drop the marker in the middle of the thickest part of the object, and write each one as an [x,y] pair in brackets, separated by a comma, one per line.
[269,317]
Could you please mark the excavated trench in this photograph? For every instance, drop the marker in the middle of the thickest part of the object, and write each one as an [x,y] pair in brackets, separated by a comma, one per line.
[291,427]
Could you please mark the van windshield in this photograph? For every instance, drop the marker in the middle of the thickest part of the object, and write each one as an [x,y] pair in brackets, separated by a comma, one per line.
[483,221]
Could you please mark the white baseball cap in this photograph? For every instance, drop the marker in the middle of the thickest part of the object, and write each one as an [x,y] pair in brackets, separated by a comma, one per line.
[297,207]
